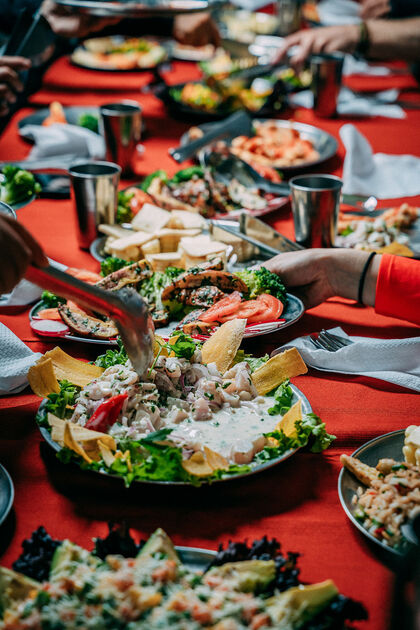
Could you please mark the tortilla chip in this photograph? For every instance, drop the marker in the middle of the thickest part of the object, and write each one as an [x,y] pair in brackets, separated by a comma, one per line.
[107,455]
[215,460]
[72,444]
[277,369]
[88,438]
[42,378]
[222,346]
[287,423]
[197,465]
[70,369]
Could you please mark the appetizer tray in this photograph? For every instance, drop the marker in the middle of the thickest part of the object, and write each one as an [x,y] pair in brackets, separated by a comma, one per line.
[291,314]
[73,115]
[323,142]
[118,53]
[149,8]
[6,494]
[297,395]
[389,445]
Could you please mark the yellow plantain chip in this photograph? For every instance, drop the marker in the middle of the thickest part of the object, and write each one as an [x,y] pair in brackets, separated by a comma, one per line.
[215,460]
[277,369]
[107,455]
[42,378]
[223,345]
[197,465]
[86,437]
[70,369]
[159,345]
[287,423]
[398,249]
[72,444]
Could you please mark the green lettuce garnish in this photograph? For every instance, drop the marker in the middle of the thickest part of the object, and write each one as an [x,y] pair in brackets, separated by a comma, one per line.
[283,396]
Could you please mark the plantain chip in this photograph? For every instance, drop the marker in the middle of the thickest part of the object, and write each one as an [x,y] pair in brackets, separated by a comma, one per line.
[287,423]
[73,445]
[277,369]
[222,346]
[70,369]
[107,455]
[197,465]
[42,378]
[215,460]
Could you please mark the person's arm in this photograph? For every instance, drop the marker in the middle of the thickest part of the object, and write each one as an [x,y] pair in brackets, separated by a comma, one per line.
[9,80]
[388,39]
[196,29]
[392,283]
[18,249]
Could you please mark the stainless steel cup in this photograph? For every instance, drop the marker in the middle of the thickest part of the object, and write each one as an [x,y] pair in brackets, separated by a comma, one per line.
[120,125]
[315,205]
[326,71]
[94,190]
[7,210]
[289,14]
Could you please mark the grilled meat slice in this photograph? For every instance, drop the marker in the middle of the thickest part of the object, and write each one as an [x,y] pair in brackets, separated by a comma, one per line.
[86,326]
[193,279]
[190,317]
[198,328]
[203,296]
[132,274]
[215,263]
[160,317]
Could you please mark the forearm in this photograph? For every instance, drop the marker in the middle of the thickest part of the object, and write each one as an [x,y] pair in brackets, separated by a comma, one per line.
[345,269]
[390,39]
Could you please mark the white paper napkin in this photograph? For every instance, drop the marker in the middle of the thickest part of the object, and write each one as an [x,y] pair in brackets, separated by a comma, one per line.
[16,359]
[333,12]
[351,104]
[384,176]
[63,139]
[360,66]
[24,293]
[393,360]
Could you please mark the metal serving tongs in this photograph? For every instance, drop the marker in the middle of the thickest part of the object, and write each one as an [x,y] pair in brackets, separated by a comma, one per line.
[125,307]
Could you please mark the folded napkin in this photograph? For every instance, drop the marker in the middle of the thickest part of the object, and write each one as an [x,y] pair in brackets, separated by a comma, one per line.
[24,293]
[393,360]
[16,359]
[62,139]
[351,104]
[360,66]
[332,12]
[384,176]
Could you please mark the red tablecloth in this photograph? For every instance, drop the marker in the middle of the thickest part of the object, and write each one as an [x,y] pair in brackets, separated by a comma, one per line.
[297,501]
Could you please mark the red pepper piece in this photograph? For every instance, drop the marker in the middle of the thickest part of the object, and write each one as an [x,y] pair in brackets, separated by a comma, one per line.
[106,414]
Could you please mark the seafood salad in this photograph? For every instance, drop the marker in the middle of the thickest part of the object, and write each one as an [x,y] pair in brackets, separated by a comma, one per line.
[199,411]
[153,588]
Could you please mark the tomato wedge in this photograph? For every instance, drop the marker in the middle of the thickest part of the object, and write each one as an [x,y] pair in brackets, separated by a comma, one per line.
[271,310]
[138,200]
[83,274]
[222,308]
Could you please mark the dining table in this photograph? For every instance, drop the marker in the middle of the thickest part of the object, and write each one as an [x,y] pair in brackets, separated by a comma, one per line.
[297,501]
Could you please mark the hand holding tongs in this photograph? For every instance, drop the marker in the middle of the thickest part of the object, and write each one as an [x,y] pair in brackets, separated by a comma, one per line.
[125,307]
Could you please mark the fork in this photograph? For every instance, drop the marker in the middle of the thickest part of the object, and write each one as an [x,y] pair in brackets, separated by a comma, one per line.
[328,341]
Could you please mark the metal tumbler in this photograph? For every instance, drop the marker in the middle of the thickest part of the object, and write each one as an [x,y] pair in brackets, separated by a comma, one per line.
[326,72]
[289,13]
[7,210]
[315,206]
[121,128]
[94,190]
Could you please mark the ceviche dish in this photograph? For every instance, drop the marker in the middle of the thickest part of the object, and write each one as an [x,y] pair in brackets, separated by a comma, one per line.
[201,412]
[122,584]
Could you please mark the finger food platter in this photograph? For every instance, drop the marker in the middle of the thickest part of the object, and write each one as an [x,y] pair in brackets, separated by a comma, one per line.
[117,53]
[6,494]
[323,143]
[74,115]
[132,9]
[387,446]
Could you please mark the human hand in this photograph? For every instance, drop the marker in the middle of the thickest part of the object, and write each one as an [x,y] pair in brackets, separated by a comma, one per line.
[315,275]
[326,39]
[9,80]
[197,29]
[18,249]
[373,9]
[66,23]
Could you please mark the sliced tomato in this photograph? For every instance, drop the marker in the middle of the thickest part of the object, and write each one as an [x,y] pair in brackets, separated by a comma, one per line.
[223,308]
[82,274]
[245,310]
[138,199]
[76,307]
[271,309]
[48,313]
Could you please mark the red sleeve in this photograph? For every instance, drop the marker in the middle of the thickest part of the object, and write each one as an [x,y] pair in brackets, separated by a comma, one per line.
[398,288]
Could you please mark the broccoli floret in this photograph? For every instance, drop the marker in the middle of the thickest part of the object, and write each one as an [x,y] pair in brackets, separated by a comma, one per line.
[112,263]
[124,212]
[18,185]
[263,281]
[50,300]
[89,121]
